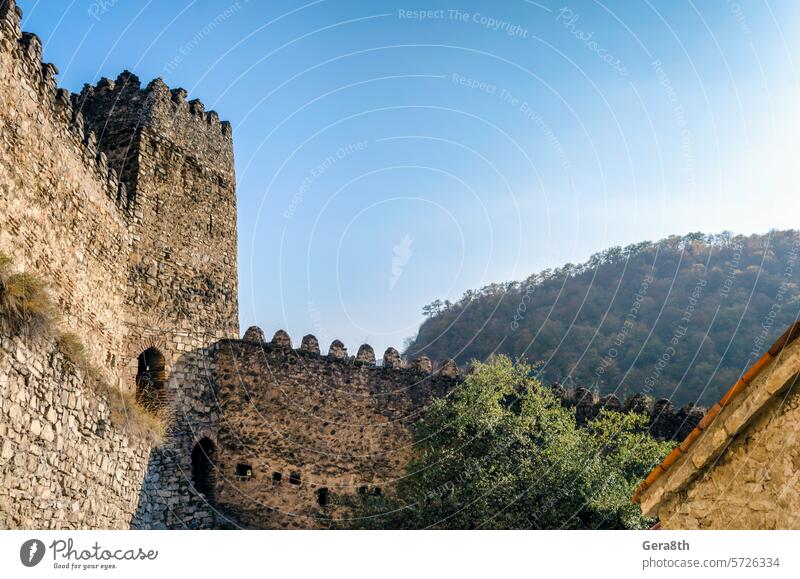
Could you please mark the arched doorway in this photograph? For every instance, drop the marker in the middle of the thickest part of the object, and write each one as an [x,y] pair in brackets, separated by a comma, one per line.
[203,468]
[151,376]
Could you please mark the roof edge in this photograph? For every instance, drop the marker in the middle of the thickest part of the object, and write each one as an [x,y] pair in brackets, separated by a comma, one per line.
[789,336]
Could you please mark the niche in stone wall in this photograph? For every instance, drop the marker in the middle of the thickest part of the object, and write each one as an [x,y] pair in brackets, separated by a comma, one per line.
[244,471]
[294,478]
[151,375]
[203,468]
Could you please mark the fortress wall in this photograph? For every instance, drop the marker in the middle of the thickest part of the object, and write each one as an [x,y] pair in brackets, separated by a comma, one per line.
[313,422]
[63,464]
[61,217]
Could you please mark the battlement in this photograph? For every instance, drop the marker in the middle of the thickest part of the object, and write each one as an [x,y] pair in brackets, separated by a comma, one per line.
[665,422]
[105,122]
[337,353]
[25,48]
[130,121]
[127,86]
[303,421]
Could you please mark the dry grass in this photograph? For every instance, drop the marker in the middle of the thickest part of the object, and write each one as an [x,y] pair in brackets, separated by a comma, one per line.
[72,347]
[24,301]
[127,414]
[25,305]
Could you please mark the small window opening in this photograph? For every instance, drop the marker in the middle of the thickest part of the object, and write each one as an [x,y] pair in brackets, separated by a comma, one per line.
[376,492]
[323,496]
[244,471]
[276,477]
[294,478]
[362,490]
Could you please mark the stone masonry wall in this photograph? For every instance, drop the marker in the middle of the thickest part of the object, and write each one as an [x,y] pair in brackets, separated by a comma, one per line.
[123,199]
[294,423]
[63,464]
[59,215]
[756,482]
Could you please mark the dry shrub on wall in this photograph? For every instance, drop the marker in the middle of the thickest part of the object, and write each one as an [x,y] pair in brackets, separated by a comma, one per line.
[25,305]
[128,414]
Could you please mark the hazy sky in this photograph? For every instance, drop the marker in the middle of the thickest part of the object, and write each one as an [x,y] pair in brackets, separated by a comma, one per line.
[386,157]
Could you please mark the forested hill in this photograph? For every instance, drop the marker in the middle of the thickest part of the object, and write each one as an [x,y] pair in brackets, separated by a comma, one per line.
[678,319]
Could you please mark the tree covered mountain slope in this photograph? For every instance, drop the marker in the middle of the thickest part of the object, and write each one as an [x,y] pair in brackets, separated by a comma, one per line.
[679,319]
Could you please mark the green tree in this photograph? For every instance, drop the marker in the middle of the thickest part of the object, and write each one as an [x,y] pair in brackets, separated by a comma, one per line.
[501,452]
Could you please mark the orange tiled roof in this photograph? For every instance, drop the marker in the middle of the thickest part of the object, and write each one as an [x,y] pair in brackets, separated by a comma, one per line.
[754,370]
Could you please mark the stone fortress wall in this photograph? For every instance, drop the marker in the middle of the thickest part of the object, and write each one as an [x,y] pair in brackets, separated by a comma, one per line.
[122,198]
[296,426]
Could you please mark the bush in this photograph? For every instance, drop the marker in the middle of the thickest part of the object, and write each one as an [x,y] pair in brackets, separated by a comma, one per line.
[127,414]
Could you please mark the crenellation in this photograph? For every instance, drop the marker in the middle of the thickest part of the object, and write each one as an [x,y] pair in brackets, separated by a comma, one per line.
[310,344]
[337,350]
[127,81]
[282,340]
[665,423]
[254,334]
[365,355]
[422,364]
[449,368]
[63,105]
[10,18]
[31,46]
[212,118]
[197,108]
[49,83]
[391,358]
[335,423]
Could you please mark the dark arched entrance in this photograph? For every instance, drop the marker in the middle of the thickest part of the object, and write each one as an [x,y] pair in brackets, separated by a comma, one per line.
[151,376]
[203,468]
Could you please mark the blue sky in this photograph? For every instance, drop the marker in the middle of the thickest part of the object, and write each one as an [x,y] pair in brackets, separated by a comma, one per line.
[392,153]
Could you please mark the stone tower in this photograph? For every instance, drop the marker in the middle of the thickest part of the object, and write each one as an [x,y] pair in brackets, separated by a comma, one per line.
[175,162]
